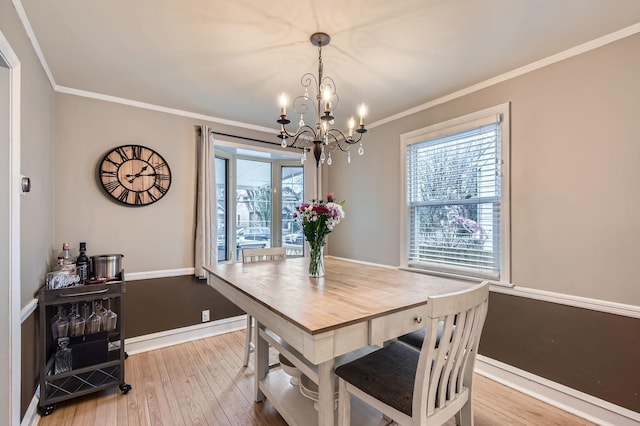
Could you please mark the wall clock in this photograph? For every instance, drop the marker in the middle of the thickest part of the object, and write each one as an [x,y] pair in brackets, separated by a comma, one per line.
[134,175]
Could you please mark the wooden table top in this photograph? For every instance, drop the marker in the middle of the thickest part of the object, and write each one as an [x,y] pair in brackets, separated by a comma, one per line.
[348,293]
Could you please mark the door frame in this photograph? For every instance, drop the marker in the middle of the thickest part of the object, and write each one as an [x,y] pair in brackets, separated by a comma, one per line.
[10,296]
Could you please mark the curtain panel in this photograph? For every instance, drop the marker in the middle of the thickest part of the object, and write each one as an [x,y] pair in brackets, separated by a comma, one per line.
[206,227]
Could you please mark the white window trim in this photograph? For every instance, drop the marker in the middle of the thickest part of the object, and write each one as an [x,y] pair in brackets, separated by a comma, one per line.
[453,126]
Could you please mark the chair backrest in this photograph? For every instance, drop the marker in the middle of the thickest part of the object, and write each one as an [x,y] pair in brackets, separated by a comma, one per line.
[445,368]
[263,254]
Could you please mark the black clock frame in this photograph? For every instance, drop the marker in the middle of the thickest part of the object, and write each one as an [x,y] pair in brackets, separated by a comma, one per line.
[112,185]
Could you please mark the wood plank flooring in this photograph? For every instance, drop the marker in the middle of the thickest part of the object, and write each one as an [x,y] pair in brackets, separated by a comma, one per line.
[203,383]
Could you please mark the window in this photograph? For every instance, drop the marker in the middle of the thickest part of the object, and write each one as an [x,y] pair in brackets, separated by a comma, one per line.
[292,192]
[455,179]
[253,204]
[255,193]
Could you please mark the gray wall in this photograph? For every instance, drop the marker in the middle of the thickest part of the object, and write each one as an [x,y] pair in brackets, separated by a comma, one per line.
[574,176]
[37,148]
[37,215]
[155,237]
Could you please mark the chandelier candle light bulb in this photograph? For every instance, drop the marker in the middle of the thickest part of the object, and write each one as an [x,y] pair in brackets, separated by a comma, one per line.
[352,125]
[327,101]
[363,113]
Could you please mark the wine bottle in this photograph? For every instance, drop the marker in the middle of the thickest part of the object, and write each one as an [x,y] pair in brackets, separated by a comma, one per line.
[83,265]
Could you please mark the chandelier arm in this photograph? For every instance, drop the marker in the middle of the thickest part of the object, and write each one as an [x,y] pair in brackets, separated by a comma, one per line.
[354,141]
[307,79]
[327,82]
[302,130]
[301,105]
[338,138]
[306,130]
[343,138]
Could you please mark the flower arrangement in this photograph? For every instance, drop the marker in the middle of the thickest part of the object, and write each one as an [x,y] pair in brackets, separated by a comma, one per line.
[318,219]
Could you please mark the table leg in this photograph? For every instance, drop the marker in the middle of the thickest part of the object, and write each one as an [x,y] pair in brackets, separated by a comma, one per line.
[261,360]
[326,389]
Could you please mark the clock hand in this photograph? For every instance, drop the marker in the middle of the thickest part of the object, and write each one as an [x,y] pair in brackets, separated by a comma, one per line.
[133,177]
[139,175]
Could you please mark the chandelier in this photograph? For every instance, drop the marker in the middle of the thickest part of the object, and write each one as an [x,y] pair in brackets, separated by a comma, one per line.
[321,137]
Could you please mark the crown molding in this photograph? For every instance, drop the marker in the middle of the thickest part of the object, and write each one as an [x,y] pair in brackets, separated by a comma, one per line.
[22,14]
[159,108]
[566,54]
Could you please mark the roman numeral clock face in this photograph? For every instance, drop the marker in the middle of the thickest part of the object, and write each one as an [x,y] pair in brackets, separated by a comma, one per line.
[134,175]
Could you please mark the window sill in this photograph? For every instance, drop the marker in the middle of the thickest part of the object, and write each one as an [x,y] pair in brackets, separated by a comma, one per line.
[456,276]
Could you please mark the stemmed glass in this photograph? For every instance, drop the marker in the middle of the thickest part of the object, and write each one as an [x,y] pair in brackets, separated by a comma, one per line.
[93,322]
[110,318]
[85,311]
[101,312]
[59,324]
[76,323]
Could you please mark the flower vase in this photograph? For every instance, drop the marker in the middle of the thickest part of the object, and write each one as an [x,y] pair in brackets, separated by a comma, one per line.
[316,261]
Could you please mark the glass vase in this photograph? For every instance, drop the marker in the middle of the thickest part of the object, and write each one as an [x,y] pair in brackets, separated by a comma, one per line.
[316,261]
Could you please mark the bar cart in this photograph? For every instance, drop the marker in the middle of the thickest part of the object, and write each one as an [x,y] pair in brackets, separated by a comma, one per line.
[97,358]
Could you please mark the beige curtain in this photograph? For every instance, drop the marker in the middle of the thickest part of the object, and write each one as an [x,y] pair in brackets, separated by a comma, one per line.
[206,206]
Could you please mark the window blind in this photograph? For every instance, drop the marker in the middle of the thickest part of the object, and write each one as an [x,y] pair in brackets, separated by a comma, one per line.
[454,201]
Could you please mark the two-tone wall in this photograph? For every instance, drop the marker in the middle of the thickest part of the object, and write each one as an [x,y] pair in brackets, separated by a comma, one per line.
[574,203]
[574,196]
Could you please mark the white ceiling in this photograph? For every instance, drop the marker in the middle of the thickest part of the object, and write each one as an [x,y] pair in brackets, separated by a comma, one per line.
[232,59]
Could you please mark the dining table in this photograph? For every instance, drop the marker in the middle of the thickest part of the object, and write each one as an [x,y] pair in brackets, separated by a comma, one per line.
[319,323]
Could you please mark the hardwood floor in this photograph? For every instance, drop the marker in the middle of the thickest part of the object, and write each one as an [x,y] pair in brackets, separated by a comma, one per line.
[203,383]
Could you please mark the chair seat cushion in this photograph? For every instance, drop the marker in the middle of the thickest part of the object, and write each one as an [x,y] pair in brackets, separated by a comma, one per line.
[416,338]
[387,374]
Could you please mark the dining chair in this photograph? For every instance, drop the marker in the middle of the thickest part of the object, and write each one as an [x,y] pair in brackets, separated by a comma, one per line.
[426,386]
[252,256]
[415,338]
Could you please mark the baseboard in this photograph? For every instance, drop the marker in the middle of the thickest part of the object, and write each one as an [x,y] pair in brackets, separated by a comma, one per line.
[163,339]
[570,400]
[164,273]
[31,417]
